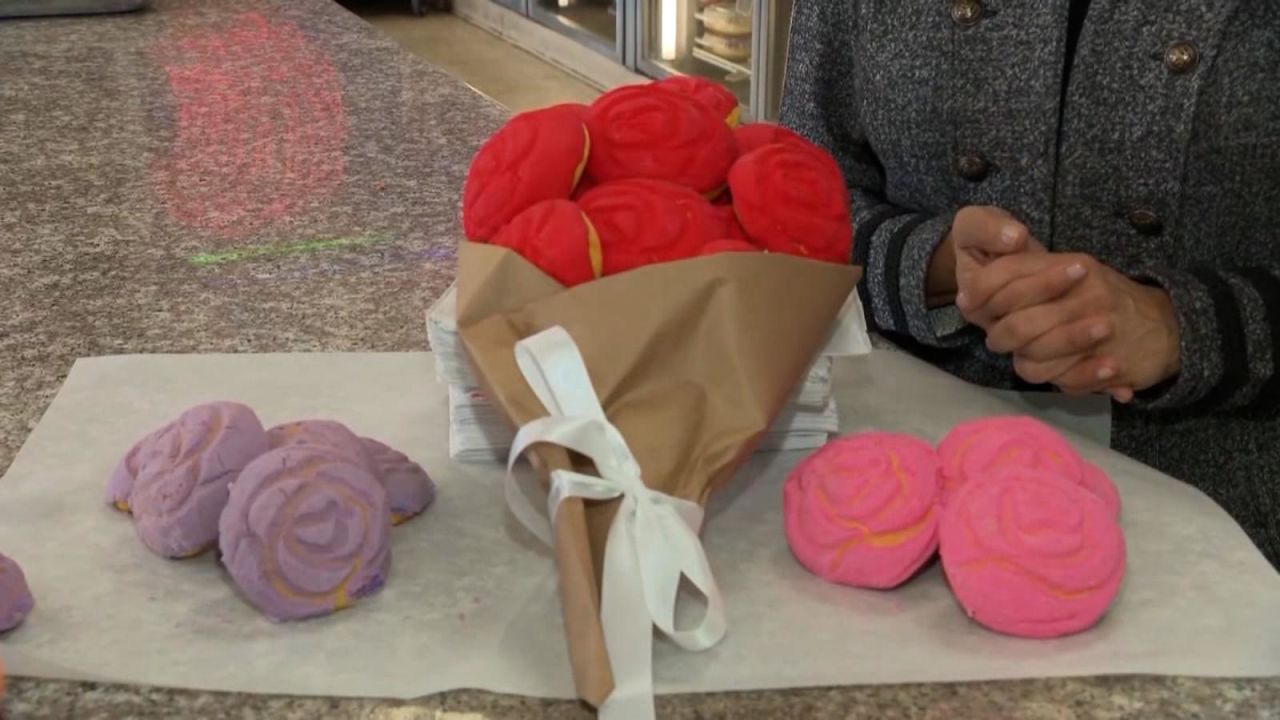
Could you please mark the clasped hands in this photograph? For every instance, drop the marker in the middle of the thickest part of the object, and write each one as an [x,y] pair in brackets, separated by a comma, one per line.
[1066,318]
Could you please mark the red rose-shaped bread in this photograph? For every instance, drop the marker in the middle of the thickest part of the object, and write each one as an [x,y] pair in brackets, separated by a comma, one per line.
[642,222]
[556,237]
[585,185]
[1030,557]
[730,228]
[644,131]
[979,449]
[793,200]
[579,109]
[184,474]
[712,94]
[727,245]
[863,510]
[306,532]
[753,136]
[538,155]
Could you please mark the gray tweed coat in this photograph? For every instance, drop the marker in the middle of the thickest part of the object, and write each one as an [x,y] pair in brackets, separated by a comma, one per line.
[1161,157]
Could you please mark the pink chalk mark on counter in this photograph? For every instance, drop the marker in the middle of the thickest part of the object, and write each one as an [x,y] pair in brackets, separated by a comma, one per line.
[260,126]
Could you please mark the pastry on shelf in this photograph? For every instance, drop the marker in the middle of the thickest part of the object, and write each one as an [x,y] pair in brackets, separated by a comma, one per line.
[734,49]
[725,20]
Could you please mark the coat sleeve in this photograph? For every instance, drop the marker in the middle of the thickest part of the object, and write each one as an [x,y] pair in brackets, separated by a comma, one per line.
[894,244]
[1229,329]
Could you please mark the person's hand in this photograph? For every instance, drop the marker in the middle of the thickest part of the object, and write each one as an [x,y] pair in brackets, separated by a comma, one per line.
[1097,330]
[1009,283]
[983,236]
[1017,283]
[978,235]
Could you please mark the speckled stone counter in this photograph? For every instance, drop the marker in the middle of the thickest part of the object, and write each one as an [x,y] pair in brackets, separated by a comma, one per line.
[252,176]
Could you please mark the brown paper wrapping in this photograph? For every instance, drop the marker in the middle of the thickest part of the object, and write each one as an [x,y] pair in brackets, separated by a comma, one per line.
[692,362]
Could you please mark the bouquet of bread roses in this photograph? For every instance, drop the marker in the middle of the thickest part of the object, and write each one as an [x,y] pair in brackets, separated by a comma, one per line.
[644,282]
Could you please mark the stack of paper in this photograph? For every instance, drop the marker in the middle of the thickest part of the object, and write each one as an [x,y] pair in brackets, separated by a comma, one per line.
[479,433]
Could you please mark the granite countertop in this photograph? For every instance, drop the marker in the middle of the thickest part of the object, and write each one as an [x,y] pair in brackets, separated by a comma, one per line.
[256,176]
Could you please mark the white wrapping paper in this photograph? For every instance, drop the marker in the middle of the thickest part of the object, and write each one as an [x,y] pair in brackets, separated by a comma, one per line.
[471,601]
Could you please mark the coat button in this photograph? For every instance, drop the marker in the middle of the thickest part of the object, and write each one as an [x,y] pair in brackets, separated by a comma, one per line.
[1181,57]
[966,12]
[972,167]
[1145,221]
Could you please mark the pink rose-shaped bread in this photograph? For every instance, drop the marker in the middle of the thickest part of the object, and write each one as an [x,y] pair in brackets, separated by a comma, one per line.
[863,509]
[1029,557]
[643,222]
[793,200]
[306,533]
[538,155]
[978,449]
[1096,481]
[645,131]
[16,601]
[184,475]
[410,489]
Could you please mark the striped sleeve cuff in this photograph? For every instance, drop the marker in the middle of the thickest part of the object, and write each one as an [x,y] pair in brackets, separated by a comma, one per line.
[896,248]
[1228,334]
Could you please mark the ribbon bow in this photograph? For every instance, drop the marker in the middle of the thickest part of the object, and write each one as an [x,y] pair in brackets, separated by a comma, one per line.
[654,537]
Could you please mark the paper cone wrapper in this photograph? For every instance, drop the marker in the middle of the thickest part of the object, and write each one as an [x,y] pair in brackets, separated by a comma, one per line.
[692,360]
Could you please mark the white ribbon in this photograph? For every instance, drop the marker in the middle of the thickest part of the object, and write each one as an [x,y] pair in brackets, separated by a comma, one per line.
[654,537]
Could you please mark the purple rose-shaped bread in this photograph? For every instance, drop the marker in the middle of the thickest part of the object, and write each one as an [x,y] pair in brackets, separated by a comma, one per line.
[306,532]
[409,488]
[120,484]
[323,433]
[184,472]
[15,597]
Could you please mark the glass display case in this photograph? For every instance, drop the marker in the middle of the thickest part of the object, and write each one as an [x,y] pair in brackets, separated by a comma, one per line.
[595,23]
[741,44]
[517,6]
[709,38]
[773,28]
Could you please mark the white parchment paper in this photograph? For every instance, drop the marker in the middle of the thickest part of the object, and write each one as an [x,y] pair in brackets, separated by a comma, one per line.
[1088,416]
[471,600]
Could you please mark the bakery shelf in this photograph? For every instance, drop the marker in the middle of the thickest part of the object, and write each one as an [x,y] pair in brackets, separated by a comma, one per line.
[711,58]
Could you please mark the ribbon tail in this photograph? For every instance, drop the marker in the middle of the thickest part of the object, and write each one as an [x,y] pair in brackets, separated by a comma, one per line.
[684,556]
[628,628]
